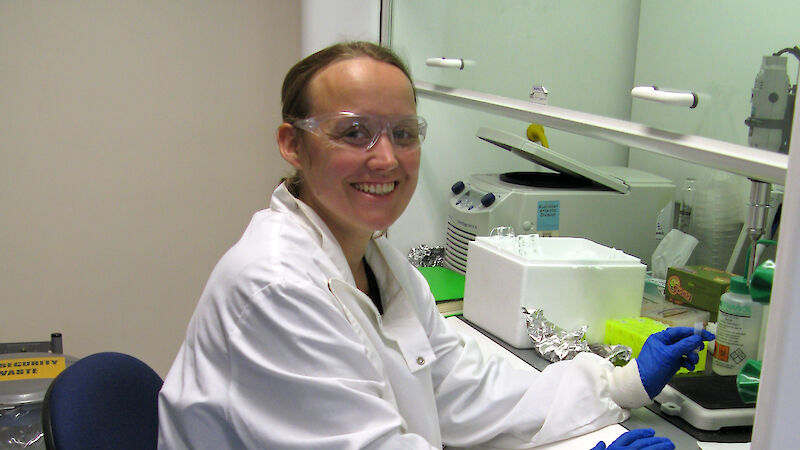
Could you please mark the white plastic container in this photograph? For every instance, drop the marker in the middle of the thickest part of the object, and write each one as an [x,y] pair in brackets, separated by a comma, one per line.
[738,329]
[574,281]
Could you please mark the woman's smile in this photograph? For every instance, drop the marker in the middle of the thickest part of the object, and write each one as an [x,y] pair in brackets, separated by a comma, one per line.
[375,188]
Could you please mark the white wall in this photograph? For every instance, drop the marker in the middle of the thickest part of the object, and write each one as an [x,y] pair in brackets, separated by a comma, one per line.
[137,140]
[326,22]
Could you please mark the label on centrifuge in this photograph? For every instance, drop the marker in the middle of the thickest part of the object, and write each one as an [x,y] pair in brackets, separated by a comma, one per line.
[547,215]
[31,368]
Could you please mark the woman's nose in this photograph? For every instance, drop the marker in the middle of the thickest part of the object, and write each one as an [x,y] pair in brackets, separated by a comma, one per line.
[382,155]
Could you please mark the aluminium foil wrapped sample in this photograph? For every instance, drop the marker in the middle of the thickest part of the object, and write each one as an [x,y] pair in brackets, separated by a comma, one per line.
[554,344]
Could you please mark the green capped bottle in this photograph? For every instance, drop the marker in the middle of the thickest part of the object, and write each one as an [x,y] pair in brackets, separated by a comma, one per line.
[738,329]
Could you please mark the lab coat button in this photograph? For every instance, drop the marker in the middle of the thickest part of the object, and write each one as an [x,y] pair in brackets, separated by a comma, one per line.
[420,360]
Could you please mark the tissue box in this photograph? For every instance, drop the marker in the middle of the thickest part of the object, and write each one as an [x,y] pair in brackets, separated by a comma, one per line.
[697,286]
[574,281]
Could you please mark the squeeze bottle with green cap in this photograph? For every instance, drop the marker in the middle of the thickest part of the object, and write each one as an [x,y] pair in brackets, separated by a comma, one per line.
[738,329]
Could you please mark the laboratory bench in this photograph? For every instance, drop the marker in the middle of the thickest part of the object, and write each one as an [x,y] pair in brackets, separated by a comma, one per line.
[683,435]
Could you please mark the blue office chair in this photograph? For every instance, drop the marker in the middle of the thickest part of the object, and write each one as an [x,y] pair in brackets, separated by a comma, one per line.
[106,400]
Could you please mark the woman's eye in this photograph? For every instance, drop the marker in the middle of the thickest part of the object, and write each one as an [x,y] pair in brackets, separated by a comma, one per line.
[405,135]
[354,133]
[402,133]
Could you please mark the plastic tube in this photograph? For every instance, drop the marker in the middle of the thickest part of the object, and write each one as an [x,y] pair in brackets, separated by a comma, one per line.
[698,331]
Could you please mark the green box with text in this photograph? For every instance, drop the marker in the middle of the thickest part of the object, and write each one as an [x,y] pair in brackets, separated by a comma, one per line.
[697,286]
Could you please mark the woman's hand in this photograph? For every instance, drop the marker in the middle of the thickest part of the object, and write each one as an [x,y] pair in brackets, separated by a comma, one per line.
[639,439]
[667,351]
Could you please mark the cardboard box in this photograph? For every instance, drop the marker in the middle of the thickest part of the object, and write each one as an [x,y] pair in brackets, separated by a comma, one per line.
[697,286]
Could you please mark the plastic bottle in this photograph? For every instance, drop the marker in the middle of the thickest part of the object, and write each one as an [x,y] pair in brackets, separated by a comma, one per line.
[738,329]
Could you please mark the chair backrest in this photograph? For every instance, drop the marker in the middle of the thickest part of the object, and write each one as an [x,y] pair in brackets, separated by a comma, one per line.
[106,400]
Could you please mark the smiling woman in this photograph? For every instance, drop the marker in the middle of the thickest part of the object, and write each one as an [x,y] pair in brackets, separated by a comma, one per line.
[356,189]
[313,310]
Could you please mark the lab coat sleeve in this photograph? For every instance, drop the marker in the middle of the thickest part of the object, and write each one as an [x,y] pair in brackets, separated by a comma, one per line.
[299,378]
[488,403]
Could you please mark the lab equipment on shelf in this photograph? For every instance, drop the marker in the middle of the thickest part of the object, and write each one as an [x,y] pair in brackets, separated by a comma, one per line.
[613,206]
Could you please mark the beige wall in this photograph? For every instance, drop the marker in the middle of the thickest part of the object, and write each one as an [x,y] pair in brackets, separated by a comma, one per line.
[136,140]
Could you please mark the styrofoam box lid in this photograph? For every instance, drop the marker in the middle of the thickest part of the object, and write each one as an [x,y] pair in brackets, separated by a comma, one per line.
[567,251]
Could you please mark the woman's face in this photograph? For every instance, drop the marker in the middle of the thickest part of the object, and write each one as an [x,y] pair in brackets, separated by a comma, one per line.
[357,192]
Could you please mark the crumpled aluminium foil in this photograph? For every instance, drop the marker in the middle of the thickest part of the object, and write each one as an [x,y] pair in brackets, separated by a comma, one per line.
[554,344]
[425,256]
[551,342]
[619,354]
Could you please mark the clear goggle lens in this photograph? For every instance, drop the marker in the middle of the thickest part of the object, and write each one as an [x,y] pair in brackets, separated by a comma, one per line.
[362,131]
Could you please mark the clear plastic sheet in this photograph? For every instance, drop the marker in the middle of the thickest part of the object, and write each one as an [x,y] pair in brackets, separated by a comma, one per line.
[554,344]
[21,427]
[425,256]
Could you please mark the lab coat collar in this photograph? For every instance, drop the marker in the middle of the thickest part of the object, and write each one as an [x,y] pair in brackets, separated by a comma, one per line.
[283,201]
[402,324]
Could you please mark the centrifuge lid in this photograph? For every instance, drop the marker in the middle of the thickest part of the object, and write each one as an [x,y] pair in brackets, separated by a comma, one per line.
[535,153]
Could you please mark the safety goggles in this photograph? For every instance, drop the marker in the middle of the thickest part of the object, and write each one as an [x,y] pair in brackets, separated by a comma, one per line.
[361,131]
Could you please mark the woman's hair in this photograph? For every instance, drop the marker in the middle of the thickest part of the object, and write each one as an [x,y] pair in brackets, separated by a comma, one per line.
[296,105]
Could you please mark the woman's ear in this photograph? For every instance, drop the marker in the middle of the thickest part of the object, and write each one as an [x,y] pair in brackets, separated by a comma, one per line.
[289,144]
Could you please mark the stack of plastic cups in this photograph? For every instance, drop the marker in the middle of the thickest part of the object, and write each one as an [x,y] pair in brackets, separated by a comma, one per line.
[716,220]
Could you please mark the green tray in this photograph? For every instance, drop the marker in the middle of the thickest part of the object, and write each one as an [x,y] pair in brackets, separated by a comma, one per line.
[445,284]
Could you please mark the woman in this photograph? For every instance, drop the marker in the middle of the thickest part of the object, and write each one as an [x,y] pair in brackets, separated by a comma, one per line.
[312,332]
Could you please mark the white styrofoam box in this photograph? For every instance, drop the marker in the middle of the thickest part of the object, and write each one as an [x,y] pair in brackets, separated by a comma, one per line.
[574,281]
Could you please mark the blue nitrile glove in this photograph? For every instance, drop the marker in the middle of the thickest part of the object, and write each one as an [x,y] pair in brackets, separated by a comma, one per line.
[639,439]
[665,352]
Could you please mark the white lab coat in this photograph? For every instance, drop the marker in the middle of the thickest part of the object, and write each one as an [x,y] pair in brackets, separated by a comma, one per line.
[284,352]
